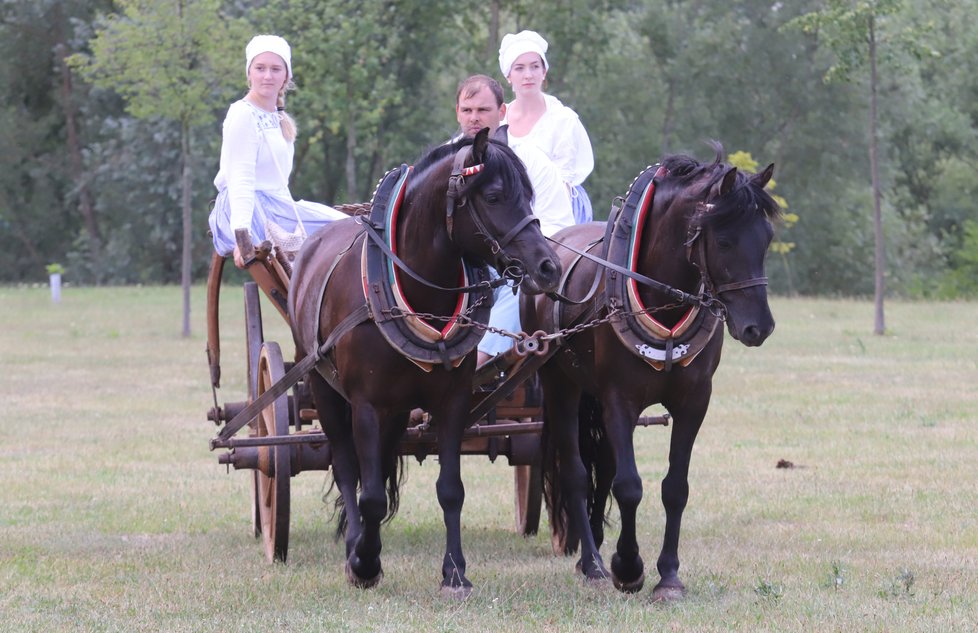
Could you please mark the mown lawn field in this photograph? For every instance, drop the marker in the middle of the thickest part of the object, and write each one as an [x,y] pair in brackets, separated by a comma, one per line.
[115,516]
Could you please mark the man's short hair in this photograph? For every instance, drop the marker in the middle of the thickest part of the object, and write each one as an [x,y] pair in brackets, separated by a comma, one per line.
[469,87]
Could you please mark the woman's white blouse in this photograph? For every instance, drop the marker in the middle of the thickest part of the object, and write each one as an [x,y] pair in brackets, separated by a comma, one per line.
[254,157]
[562,137]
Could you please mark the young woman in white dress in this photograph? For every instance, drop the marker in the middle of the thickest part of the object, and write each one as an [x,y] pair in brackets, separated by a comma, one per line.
[536,117]
[257,148]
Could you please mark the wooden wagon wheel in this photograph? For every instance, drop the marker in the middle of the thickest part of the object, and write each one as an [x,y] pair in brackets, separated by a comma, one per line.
[528,481]
[274,462]
[254,337]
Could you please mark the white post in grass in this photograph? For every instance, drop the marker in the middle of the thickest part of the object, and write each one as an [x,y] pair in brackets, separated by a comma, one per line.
[54,276]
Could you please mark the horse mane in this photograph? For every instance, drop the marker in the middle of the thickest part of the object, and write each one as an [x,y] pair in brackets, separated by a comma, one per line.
[500,160]
[697,179]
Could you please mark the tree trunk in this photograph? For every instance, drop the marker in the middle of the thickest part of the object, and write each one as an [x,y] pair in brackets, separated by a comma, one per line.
[880,255]
[75,162]
[492,45]
[186,182]
[351,162]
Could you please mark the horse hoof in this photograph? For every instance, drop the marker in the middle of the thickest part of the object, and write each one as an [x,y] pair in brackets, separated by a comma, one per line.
[596,578]
[362,583]
[457,594]
[668,593]
[633,586]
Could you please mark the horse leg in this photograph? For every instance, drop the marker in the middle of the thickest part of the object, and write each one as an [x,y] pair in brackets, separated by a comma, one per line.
[363,564]
[627,567]
[334,419]
[449,420]
[675,493]
[561,400]
[604,476]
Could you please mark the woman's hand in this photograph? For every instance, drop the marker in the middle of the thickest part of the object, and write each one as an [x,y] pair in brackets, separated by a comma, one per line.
[242,238]
[238,260]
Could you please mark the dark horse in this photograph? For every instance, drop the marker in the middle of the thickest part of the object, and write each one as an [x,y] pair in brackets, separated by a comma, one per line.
[705,232]
[366,388]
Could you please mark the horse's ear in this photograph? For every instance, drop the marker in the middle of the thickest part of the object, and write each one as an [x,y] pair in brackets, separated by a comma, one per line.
[501,134]
[761,179]
[479,146]
[725,185]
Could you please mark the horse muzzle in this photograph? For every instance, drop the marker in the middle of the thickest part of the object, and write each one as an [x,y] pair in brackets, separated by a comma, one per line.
[750,327]
[752,335]
[545,277]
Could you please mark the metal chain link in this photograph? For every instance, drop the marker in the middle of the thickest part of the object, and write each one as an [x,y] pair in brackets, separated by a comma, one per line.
[464,319]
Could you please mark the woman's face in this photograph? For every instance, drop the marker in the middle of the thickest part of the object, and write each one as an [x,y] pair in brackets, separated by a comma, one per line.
[527,74]
[267,74]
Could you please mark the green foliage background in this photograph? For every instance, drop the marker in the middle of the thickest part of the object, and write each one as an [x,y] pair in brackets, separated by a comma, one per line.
[376,82]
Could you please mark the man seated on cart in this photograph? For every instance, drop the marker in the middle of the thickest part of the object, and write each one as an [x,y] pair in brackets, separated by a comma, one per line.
[479,104]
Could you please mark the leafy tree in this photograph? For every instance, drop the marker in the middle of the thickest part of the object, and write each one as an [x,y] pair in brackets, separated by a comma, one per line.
[365,71]
[377,81]
[44,191]
[855,31]
[168,59]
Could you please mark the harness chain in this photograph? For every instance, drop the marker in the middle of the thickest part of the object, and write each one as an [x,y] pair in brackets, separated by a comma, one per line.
[614,315]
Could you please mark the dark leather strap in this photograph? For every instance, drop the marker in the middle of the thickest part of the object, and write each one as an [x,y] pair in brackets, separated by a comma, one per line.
[557,297]
[291,378]
[377,239]
[740,285]
[679,295]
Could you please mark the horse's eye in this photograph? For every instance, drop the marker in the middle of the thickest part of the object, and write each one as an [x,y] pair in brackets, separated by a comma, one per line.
[492,198]
[725,243]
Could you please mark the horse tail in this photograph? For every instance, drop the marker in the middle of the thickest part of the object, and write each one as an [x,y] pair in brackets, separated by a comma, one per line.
[339,511]
[395,472]
[599,463]
[550,465]
[594,449]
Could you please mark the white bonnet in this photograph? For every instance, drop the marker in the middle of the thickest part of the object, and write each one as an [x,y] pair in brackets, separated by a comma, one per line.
[513,46]
[268,44]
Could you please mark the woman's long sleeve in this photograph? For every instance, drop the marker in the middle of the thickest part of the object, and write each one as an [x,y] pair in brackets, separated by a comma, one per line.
[239,155]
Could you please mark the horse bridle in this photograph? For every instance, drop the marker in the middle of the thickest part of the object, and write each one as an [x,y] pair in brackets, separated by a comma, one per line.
[512,267]
[696,255]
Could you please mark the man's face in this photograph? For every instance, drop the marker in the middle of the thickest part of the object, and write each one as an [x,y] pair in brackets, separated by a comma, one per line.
[479,111]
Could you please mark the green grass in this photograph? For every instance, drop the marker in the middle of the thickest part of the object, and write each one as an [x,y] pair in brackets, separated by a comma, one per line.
[114,516]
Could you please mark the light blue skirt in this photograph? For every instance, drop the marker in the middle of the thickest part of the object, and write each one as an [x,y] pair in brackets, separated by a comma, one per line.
[283,213]
[581,205]
[505,315]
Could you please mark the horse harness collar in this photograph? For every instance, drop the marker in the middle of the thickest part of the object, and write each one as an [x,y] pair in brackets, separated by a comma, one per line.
[631,320]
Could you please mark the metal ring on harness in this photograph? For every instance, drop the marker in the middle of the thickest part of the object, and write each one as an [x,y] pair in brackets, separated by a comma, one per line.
[532,344]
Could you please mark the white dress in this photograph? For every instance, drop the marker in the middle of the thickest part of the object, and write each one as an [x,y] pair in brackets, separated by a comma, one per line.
[253,180]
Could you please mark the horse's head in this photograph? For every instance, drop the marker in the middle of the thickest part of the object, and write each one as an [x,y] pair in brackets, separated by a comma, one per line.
[491,217]
[728,238]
